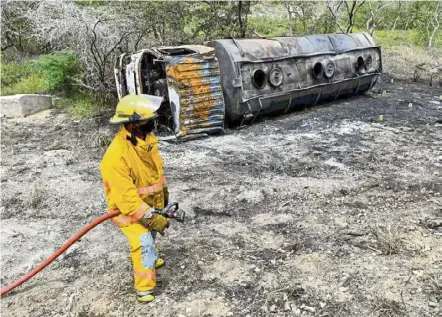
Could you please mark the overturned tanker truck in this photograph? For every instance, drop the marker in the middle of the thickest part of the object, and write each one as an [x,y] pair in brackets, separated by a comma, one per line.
[205,86]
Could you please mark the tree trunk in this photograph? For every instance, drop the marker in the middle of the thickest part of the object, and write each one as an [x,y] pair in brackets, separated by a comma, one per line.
[399,13]
[373,27]
[435,25]
[304,24]
[240,19]
[290,18]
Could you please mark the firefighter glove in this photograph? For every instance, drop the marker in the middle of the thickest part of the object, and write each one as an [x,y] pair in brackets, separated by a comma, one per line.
[155,222]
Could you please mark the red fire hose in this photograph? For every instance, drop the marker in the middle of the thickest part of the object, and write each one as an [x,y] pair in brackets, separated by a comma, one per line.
[56,254]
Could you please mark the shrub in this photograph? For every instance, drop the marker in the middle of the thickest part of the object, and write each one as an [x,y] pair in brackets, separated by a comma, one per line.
[12,72]
[50,73]
[57,70]
[28,85]
[388,239]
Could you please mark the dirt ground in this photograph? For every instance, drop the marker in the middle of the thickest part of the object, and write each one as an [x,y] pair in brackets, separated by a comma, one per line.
[328,211]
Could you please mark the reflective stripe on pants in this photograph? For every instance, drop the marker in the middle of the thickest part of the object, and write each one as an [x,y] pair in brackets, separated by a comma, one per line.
[143,255]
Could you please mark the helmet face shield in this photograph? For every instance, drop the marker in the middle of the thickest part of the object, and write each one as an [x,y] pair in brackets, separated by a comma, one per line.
[154,102]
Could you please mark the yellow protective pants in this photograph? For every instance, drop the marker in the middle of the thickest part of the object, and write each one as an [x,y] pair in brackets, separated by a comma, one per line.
[143,255]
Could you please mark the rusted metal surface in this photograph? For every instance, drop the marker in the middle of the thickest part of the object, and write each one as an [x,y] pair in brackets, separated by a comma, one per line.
[198,102]
[193,89]
[239,78]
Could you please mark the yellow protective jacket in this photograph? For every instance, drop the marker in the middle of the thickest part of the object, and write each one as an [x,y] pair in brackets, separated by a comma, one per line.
[133,177]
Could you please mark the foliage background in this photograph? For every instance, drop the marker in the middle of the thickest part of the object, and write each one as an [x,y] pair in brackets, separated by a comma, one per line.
[68,48]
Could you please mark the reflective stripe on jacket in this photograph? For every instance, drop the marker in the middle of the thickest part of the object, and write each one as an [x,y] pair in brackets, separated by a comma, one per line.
[133,177]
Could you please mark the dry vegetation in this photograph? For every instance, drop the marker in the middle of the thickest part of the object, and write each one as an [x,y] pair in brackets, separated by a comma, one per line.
[407,62]
[321,212]
[384,307]
[388,239]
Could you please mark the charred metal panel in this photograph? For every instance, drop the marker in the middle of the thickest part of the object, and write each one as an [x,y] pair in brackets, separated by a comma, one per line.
[195,86]
[250,76]
[267,75]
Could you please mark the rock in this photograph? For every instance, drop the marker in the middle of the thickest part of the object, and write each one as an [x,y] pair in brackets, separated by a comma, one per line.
[229,313]
[345,281]
[333,163]
[434,223]
[341,222]
[322,304]
[296,311]
[309,309]
[257,270]
[432,304]
[418,273]
[23,105]
[287,306]
[272,308]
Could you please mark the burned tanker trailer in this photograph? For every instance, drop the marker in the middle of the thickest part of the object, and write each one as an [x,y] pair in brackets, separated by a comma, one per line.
[232,79]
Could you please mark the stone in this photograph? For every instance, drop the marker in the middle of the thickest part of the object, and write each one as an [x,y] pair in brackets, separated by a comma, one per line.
[17,106]
[296,311]
[287,306]
[309,309]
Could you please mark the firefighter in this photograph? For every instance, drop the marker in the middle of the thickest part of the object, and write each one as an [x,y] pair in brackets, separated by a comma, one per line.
[134,183]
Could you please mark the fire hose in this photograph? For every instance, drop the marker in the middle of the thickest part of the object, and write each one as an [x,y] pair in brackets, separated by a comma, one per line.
[171,211]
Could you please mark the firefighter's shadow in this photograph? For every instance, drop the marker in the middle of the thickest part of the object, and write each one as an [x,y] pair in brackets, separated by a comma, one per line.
[163,280]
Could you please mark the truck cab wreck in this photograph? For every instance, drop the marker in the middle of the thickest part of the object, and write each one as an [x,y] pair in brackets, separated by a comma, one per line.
[204,86]
[188,79]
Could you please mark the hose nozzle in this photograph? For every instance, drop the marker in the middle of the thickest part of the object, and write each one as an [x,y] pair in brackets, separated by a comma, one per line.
[172,212]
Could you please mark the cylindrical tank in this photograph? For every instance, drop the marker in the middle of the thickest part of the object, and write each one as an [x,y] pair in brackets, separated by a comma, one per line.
[282,73]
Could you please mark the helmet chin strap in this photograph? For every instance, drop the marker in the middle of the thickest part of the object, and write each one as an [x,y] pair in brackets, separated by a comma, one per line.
[142,131]
[132,138]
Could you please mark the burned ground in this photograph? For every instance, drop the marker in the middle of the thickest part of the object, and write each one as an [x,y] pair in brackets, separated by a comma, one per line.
[328,211]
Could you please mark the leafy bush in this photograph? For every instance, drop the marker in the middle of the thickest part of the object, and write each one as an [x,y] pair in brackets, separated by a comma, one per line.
[12,73]
[31,84]
[57,69]
[267,26]
[51,73]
